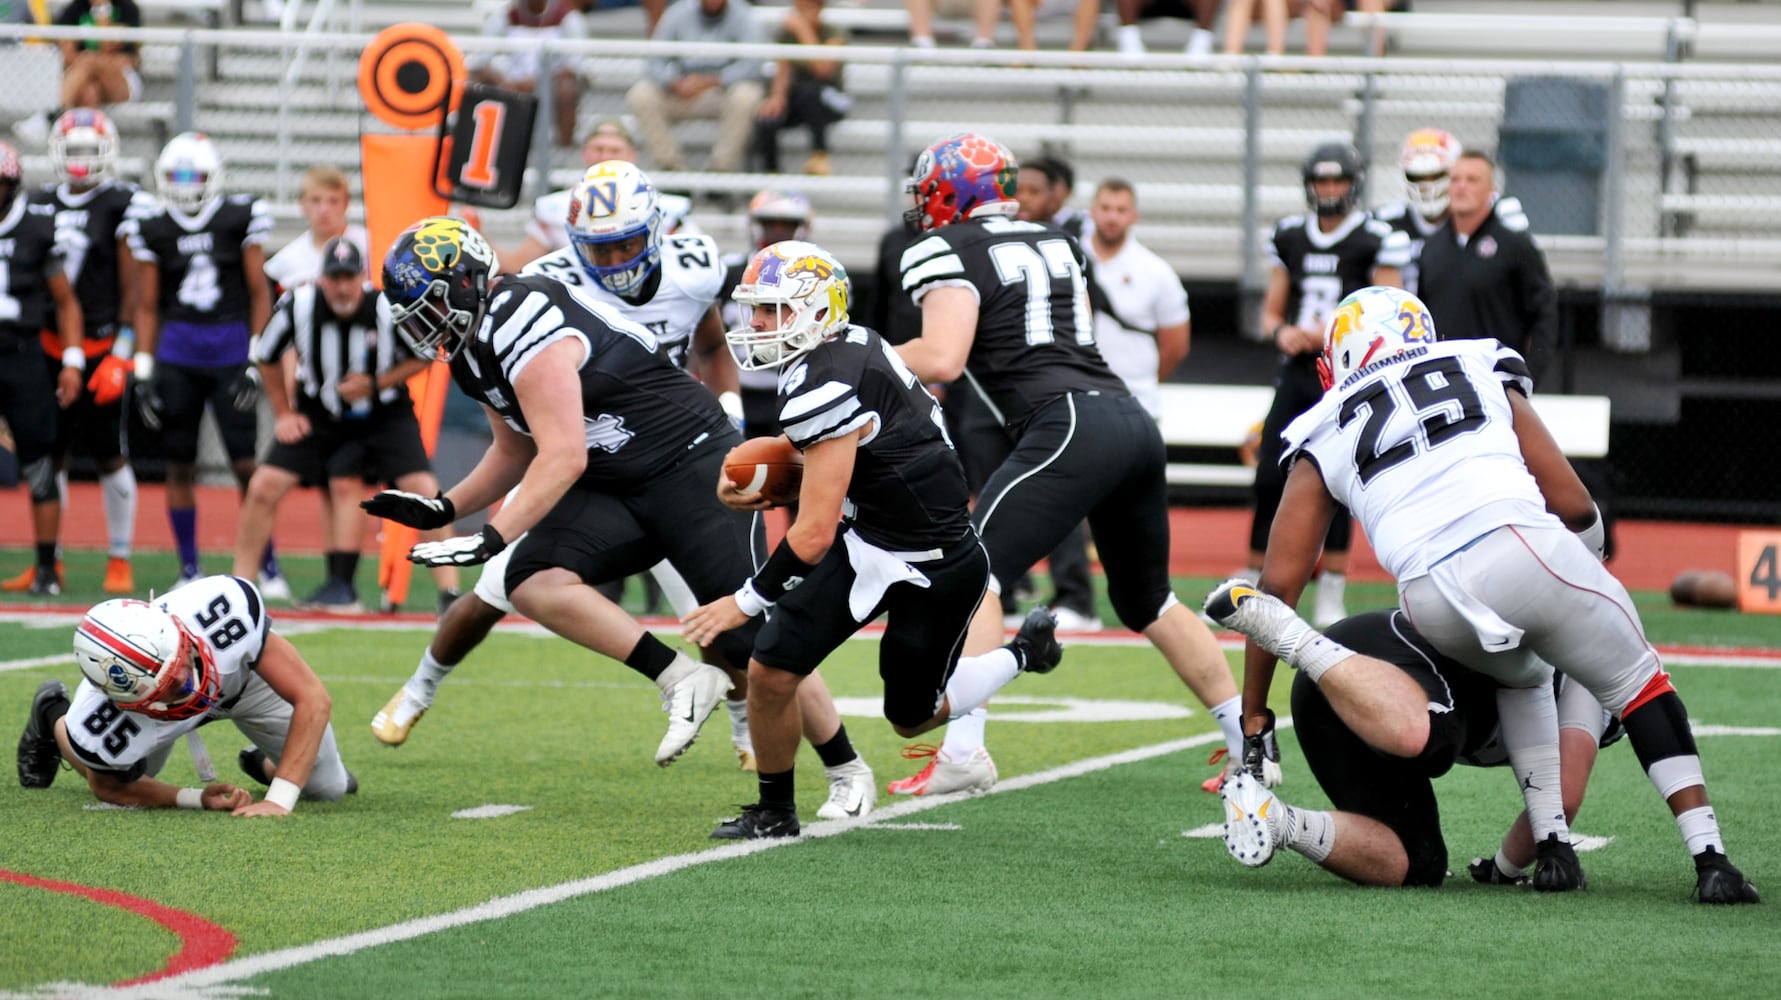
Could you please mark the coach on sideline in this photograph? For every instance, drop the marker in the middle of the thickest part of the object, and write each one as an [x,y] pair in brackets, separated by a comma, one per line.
[1481,274]
[352,419]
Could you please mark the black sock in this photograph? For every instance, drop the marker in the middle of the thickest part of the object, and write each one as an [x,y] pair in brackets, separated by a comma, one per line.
[777,790]
[343,566]
[650,656]
[837,750]
[46,555]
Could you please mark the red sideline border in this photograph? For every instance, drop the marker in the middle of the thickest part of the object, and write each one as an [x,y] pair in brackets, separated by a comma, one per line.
[201,943]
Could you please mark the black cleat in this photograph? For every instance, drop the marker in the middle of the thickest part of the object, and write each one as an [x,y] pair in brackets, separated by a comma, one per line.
[1036,643]
[39,757]
[253,764]
[1485,870]
[1717,880]
[47,582]
[759,822]
[1556,868]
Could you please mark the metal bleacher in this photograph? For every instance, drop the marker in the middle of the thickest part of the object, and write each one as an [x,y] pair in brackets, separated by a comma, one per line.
[1699,129]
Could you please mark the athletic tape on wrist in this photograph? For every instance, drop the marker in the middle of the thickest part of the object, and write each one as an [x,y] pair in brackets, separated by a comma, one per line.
[190,798]
[284,793]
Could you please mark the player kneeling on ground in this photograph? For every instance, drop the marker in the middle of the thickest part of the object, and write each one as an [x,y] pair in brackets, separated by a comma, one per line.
[155,672]
[881,478]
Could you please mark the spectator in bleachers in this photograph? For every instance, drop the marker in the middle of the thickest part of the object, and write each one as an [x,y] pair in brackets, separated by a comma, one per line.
[1318,15]
[678,87]
[1239,15]
[1024,14]
[804,91]
[534,21]
[93,72]
[1482,275]
[1129,41]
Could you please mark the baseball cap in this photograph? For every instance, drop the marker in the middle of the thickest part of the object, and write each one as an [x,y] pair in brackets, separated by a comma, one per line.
[342,256]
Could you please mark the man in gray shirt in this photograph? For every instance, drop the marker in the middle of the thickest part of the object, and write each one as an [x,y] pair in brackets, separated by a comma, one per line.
[724,88]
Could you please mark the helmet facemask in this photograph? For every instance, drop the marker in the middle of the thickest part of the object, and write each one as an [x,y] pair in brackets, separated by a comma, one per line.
[436,280]
[146,660]
[189,174]
[83,148]
[1427,160]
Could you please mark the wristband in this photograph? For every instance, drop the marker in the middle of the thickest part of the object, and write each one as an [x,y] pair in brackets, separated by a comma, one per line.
[190,798]
[74,357]
[124,344]
[1596,535]
[784,571]
[284,793]
[145,366]
[750,602]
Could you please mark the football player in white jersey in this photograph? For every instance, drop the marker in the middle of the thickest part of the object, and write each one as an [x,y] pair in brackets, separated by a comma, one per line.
[1471,507]
[157,671]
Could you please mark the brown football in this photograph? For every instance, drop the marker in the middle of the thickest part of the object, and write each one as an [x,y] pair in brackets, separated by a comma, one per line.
[769,466]
[1704,589]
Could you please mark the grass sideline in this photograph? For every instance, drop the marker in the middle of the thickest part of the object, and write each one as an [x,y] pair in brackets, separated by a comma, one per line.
[1078,886]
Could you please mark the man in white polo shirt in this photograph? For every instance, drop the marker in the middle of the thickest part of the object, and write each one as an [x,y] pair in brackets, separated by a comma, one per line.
[1142,324]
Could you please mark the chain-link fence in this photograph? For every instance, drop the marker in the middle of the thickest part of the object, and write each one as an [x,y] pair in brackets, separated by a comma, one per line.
[1643,182]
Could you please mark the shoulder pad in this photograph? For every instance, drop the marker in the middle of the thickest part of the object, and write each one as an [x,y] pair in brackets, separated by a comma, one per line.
[1393,210]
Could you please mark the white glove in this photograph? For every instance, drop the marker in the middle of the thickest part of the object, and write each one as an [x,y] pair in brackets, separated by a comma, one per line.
[464,550]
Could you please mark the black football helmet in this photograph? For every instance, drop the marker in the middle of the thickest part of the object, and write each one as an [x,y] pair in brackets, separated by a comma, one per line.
[1334,159]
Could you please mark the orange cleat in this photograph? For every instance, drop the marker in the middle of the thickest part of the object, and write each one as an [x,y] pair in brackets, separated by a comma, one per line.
[1211,785]
[118,578]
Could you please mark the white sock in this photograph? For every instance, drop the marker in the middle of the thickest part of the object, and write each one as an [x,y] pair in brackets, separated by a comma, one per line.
[1508,868]
[1311,832]
[964,735]
[1199,43]
[1529,718]
[976,678]
[1317,653]
[424,685]
[1230,719]
[119,492]
[738,721]
[1700,830]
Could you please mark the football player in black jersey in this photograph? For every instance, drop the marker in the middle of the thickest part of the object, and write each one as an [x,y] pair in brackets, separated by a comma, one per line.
[1318,259]
[614,447]
[92,211]
[36,294]
[1005,305]
[202,293]
[883,527]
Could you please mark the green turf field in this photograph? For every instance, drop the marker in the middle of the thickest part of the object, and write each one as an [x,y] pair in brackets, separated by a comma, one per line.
[1074,879]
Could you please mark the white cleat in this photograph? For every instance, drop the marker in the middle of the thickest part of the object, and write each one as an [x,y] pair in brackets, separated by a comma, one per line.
[1239,606]
[689,702]
[1252,817]
[852,791]
[975,774]
[275,588]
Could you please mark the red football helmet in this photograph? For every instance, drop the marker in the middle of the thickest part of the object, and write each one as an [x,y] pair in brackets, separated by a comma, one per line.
[963,176]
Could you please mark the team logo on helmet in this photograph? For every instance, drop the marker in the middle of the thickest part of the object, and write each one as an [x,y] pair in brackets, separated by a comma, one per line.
[438,243]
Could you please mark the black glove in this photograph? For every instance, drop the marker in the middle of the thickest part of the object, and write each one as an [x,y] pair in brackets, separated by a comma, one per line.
[148,403]
[1261,750]
[464,550]
[246,389]
[412,509]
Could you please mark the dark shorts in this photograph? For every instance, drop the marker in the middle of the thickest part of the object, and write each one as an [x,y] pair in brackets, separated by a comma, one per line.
[924,629]
[676,516]
[86,427]
[1396,791]
[1085,456]
[28,398]
[1296,389]
[185,391]
[381,448]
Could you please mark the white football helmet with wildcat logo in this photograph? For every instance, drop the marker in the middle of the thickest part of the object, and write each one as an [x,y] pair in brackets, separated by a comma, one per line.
[793,296]
[1371,324]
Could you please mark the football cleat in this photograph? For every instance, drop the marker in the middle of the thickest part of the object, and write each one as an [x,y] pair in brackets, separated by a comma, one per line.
[1071,620]
[1213,784]
[1252,817]
[1485,870]
[275,587]
[253,764]
[335,597]
[759,821]
[1556,868]
[1717,880]
[39,757]
[745,758]
[975,774]
[852,791]
[46,582]
[1238,605]
[118,577]
[1036,643]
[392,725]
[689,702]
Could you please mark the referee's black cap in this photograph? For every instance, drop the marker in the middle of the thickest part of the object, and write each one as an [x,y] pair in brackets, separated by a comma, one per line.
[342,256]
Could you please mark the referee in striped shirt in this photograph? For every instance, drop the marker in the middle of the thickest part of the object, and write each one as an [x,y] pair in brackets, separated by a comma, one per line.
[352,421]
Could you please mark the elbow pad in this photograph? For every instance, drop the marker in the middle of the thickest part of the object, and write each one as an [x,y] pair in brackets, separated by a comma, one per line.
[1596,535]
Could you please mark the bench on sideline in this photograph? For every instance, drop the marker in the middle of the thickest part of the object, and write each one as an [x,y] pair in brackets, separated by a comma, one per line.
[1222,416]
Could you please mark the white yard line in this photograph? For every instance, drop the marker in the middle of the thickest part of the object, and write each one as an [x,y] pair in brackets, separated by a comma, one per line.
[212,983]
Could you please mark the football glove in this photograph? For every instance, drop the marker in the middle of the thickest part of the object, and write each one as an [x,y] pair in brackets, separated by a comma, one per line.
[412,509]
[464,550]
[1261,754]
[107,382]
[148,403]
[246,389]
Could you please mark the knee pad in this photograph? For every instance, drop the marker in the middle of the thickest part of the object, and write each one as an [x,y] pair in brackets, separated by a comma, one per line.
[326,787]
[40,479]
[1428,860]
